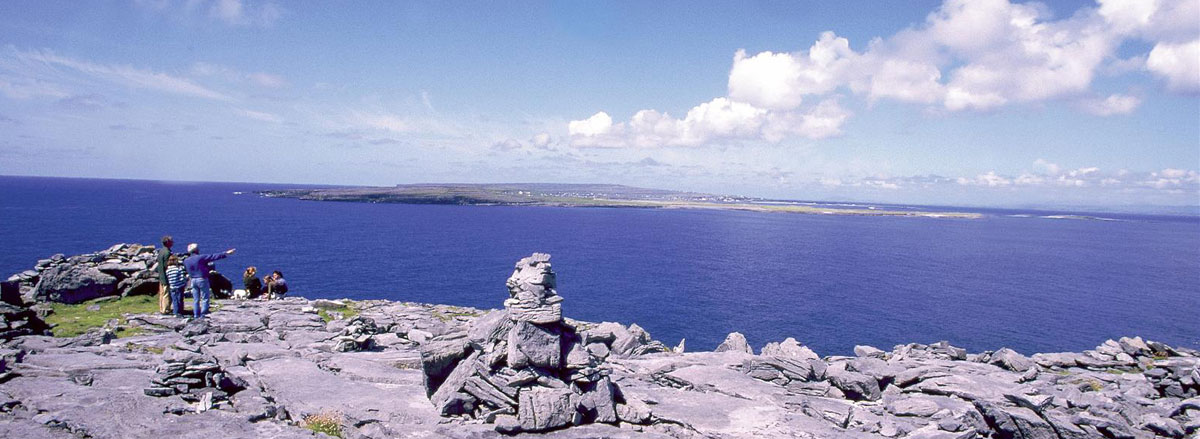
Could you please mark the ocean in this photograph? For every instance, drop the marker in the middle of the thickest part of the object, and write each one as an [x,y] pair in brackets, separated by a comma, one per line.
[1012,279]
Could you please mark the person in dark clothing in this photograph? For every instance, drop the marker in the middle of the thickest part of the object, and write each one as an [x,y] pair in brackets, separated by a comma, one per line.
[276,286]
[252,284]
[160,258]
[198,266]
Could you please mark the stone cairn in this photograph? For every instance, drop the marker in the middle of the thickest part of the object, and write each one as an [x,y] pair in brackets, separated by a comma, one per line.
[358,335]
[194,375]
[524,369]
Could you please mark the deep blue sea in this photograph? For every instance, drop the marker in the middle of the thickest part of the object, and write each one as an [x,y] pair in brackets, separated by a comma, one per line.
[1033,284]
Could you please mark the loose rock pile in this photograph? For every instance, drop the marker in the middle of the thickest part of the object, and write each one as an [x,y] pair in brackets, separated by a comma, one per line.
[525,369]
[121,269]
[197,377]
[358,335]
[939,390]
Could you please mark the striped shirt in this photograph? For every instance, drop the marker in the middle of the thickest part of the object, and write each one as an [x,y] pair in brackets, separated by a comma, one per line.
[176,277]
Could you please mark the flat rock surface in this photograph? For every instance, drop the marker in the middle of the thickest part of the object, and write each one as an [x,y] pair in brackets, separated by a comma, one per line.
[285,352]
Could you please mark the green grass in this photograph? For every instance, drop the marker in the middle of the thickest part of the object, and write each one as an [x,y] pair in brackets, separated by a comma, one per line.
[446,317]
[347,311]
[329,423]
[73,320]
[135,347]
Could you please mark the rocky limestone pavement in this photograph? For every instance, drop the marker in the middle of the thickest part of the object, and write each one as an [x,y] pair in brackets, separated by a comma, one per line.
[261,369]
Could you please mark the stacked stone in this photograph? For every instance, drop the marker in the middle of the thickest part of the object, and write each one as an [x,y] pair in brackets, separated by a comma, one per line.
[358,335]
[525,369]
[121,269]
[188,372]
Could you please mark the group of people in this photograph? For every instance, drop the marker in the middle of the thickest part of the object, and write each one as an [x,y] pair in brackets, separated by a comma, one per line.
[192,271]
[271,286]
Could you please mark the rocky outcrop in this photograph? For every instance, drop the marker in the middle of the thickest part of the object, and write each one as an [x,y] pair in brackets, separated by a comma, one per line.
[121,269]
[260,369]
[525,369]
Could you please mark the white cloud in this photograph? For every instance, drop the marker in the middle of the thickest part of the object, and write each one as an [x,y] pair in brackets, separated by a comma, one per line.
[598,125]
[719,120]
[989,179]
[1047,167]
[541,140]
[1179,64]
[966,55]
[1112,105]
[1171,21]
[36,64]
[779,81]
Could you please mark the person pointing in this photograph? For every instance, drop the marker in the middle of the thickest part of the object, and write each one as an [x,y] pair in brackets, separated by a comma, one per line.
[197,266]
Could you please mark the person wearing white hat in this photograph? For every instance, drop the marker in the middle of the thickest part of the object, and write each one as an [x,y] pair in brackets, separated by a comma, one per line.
[197,267]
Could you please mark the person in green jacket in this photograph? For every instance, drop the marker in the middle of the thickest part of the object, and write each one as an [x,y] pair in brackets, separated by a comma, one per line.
[163,254]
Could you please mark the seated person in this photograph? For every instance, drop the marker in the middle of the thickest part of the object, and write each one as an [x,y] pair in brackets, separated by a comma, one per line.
[276,285]
[252,284]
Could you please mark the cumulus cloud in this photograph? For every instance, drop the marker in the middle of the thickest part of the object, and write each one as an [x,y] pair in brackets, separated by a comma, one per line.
[1112,105]
[988,179]
[1047,175]
[1044,177]
[779,81]
[967,55]
[541,140]
[1179,64]
[719,120]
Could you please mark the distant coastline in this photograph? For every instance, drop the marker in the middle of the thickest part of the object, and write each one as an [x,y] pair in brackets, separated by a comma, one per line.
[586,195]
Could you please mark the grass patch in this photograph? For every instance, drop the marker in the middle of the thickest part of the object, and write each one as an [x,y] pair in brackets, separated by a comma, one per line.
[329,423]
[346,311]
[135,347]
[446,317]
[73,320]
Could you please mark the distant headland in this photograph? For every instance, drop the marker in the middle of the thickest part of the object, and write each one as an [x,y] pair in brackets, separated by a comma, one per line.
[586,195]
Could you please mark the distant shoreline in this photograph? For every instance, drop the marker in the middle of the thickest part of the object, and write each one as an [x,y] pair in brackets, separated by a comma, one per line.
[571,195]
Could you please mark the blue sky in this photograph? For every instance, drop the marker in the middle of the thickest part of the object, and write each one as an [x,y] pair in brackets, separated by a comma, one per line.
[983,102]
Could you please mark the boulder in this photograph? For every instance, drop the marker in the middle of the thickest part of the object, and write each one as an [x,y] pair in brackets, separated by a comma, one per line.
[789,347]
[869,352]
[736,342]
[854,385]
[1011,360]
[74,284]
